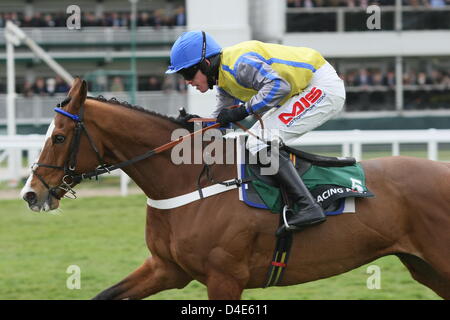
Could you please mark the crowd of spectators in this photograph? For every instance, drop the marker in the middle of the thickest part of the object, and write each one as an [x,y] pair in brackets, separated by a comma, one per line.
[49,86]
[372,89]
[376,78]
[356,80]
[44,87]
[368,89]
[355,17]
[363,3]
[168,83]
[156,18]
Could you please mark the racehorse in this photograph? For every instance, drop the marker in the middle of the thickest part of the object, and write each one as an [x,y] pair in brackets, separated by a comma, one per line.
[220,241]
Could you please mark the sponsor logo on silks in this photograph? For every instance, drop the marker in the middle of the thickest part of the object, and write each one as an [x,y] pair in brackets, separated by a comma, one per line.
[301,105]
[331,192]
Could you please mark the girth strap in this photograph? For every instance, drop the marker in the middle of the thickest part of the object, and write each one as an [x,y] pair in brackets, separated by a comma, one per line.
[282,251]
[192,196]
[280,259]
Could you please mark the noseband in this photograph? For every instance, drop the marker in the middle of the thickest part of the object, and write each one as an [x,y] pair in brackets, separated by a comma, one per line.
[70,177]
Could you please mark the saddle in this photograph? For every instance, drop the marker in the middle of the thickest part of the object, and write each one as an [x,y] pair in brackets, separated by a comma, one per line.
[333,181]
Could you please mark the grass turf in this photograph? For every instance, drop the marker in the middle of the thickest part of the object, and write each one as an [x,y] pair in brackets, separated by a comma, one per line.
[104,236]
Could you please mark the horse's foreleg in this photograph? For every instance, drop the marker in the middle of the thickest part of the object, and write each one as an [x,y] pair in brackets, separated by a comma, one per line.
[153,276]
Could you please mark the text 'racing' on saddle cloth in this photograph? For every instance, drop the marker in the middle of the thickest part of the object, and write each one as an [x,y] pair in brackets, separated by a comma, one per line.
[330,186]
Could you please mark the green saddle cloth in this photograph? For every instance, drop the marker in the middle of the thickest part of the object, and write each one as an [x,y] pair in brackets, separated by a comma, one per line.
[322,183]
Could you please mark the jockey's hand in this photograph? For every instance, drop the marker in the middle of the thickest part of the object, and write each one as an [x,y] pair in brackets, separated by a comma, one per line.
[232,115]
[184,117]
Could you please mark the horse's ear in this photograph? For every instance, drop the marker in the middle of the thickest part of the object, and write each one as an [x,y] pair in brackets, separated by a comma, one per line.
[83,91]
[78,93]
[74,88]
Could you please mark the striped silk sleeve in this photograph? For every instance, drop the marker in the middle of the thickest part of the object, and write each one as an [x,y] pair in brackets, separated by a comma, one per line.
[251,72]
[223,100]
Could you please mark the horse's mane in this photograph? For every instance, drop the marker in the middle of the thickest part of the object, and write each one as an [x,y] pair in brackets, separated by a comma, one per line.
[125,104]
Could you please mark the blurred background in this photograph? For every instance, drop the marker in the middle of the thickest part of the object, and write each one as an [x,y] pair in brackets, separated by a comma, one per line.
[397,74]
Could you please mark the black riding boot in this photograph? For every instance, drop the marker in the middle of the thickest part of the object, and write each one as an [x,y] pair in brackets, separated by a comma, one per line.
[309,211]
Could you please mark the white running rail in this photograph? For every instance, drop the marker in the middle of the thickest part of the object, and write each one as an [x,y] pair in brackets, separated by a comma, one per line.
[351,142]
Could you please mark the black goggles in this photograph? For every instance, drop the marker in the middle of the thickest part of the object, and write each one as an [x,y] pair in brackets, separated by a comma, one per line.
[189,73]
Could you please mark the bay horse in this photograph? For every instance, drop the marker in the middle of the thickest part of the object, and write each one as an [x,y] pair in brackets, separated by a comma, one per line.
[223,243]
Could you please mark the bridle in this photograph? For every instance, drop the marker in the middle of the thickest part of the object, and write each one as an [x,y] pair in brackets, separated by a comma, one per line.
[70,177]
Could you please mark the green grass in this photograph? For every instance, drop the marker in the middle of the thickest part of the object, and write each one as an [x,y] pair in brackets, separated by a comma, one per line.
[104,236]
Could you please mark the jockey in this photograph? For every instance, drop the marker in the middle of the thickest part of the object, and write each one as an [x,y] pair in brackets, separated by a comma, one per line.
[295,88]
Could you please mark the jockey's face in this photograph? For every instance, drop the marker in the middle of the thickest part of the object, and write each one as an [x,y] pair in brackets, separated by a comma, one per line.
[200,81]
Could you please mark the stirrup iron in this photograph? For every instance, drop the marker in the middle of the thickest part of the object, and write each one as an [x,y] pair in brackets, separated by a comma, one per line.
[286,224]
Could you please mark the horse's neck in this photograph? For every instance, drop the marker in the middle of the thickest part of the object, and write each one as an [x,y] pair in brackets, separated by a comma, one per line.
[130,133]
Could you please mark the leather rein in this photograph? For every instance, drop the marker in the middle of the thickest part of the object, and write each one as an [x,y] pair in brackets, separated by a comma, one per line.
[71,177]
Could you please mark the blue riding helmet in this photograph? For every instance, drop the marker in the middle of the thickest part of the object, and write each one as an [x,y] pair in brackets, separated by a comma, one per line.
[190,49]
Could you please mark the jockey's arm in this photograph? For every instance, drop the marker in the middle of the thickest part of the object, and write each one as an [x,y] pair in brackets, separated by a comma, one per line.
[254,73]
[223,100]
[271,88]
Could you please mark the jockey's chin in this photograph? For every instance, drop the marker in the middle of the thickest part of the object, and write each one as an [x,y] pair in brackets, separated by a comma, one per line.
[202,87]
[203,90]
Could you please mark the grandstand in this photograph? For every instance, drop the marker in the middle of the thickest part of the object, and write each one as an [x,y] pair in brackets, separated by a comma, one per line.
[101,45]
[400,70]
[393,72]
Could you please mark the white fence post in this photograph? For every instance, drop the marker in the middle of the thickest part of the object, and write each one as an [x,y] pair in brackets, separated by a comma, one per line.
[33,155]
[124,180]
[357,151]
[432,147]
[346,150]
[395,148]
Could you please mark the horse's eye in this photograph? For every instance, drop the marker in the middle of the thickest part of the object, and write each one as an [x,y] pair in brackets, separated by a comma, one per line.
[59,138]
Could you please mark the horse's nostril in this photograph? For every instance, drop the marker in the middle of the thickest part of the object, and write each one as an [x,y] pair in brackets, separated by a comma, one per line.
[30,197]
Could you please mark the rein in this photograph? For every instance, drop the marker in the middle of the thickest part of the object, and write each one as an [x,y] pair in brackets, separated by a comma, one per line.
[148,154]
[257,116]
[70,166]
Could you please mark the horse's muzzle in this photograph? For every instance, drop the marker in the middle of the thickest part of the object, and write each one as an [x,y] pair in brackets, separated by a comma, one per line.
[30,197]
[38,202]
